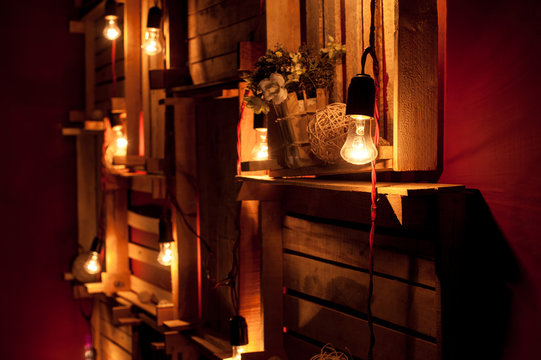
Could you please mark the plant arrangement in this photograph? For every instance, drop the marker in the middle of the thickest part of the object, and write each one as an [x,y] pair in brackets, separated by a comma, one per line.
[280,72]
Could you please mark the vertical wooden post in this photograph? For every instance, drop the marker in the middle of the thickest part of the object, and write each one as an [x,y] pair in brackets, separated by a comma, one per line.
[271,277]
[283,23]
[186,173]
[132,63]
[250,274]
[117,276]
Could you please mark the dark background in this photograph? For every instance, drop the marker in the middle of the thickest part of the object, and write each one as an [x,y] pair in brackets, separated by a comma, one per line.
[492,142]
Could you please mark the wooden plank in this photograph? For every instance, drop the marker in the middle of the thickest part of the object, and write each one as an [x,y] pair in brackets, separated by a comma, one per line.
[145,255]
[138,285]
[217,68]
[111,351]
[283,23]
[88,150]
[296,348]
[221,15]
[271,277]
[332,27]
[222,41]
[408,306]
[116,335]
[403,189]
[116,236]
[133,298]
[250,302]
[312,320]
[151,274]
[145,223]
[416,112]
[394,255]
[314,24]
[132,63]
[185,280]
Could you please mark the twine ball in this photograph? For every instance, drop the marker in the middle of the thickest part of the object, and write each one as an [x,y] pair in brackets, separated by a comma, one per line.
[328,131]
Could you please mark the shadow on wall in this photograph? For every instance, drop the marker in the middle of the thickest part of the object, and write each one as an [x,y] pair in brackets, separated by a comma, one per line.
[477,294]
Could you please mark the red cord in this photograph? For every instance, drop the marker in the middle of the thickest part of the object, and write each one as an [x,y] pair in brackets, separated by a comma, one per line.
[199,285]
[113,69]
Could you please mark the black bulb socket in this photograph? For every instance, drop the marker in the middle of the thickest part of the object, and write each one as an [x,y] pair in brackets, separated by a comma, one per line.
[154,17]
[361,96]
[238,331]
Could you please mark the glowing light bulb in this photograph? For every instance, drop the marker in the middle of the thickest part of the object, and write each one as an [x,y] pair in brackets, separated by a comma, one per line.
[153,42]
[111,30]
[92,264]
[260,151]
[237,352]
[165,257]
[359,147]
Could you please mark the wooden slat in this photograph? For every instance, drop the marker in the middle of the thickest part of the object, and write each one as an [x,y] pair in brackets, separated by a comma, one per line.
[283,23]
[250,302]
[314,23]
[405,305]
[312,320]
[217,68]
[115,334]
[298,349]
[332,26]
[132,298]
[151,274]
[185,270]
[145,255]
[111,351]
[219,42]
[103,58]
[416,126]
[105,73]
[132,63]
[394,255]
[145,223]
[404,189]
[139,285]
[221,15]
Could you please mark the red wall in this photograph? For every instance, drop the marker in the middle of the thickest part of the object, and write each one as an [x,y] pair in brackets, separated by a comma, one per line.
[42,77]
[492,140]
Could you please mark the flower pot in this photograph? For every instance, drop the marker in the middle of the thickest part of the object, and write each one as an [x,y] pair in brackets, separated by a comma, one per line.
[296,144]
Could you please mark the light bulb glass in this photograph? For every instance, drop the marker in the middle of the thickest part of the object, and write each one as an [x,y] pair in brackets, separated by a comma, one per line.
[111,30]
[260,151]
[359,147]
[92,264]
[237,352]
[165,257]
[118,146]
[153,43]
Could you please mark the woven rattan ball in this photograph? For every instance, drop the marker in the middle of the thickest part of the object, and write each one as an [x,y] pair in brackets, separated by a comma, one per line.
[328,132]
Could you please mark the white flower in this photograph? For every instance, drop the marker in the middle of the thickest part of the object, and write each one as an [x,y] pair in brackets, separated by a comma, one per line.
[273,88]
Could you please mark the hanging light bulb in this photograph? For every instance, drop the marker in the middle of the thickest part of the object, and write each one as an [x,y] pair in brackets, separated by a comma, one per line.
[111,30]
[153,42]
[260,151]
[92,264]
[359,147]
[238,332]
[165,257]
[117,144]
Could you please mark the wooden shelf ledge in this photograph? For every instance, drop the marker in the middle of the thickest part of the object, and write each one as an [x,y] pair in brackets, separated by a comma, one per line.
[383,188]
[80,131]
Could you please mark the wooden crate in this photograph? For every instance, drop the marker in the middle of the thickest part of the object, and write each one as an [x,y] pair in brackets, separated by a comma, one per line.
[408,57]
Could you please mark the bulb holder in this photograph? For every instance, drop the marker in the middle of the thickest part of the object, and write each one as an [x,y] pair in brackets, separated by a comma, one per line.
[361,96]
[110,8]
[154,18]
[238,331]
[165,232]
[260,121]
[96,245]
[115,120]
